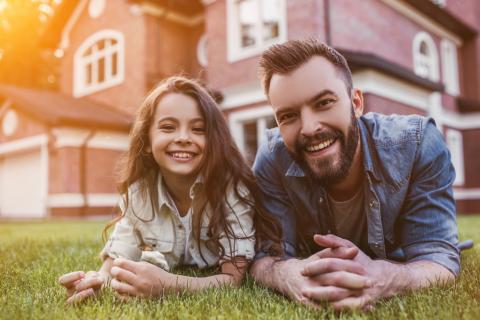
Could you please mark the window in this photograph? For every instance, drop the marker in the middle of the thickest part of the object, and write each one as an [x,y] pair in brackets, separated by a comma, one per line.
[425,56]
[248,129]
[254,25]
[99,63]
[455,145]
[449,67]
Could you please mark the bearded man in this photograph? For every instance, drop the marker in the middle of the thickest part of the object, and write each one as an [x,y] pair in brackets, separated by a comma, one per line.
[365,201]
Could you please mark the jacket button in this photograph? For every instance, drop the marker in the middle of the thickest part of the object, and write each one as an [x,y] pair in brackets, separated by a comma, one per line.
[373,203]
[320,200]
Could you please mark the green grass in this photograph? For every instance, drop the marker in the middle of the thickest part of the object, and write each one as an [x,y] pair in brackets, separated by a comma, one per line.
[34,254]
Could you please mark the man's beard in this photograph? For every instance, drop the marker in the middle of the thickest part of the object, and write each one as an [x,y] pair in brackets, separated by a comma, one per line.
[326,171]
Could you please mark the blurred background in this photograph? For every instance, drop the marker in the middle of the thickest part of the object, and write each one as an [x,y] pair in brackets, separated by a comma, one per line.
[73,72]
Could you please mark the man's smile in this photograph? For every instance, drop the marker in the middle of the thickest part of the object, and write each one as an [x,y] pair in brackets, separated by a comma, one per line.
[320,145]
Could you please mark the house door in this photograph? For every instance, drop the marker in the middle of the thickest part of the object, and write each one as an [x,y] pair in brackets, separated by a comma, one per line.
[21,194]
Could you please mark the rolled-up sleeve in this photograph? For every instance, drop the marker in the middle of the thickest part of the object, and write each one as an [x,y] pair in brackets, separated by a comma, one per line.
[428,221]
[239,219]
[122,242]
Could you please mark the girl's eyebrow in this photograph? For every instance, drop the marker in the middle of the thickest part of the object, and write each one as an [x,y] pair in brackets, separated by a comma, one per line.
[176,120]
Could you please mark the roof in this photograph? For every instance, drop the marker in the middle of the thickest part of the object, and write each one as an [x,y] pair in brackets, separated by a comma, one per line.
[53,31]
[54,109]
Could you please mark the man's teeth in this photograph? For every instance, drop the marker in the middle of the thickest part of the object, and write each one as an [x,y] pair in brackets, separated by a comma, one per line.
[320,146]
[182,155]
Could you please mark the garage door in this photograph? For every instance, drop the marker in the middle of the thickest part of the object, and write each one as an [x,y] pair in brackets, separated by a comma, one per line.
[21,193]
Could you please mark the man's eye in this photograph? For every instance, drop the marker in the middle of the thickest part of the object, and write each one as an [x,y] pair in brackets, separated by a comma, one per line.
[325,102]
[286,117]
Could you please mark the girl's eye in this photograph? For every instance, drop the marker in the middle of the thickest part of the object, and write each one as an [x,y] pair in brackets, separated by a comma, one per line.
[198,129]
[166,127]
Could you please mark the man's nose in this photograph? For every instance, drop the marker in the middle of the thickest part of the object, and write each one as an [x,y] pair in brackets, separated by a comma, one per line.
[309,122]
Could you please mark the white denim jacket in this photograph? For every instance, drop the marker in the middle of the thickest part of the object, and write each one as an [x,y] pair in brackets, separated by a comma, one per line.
[166,235]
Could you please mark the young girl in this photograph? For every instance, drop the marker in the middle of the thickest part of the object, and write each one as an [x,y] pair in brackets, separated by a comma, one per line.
[188,198]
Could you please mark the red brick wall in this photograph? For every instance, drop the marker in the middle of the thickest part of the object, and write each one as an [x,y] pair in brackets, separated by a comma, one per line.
[27,127]
[373,26]
[471,156]
[100,170]
[374,103]
[465,10]
[117,16]
[304,19]
[64,170]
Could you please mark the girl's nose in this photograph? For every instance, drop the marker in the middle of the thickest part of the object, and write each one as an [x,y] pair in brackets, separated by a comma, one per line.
[183,138]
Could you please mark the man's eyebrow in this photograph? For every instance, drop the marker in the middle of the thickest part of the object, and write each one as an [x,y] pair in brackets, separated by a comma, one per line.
[309,101]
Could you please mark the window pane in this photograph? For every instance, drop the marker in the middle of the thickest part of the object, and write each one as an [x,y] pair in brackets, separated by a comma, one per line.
[270,19]
[101,45]
[247,19]
[250,140]
[88,74]
[114,64]
[101,70]
[424,48]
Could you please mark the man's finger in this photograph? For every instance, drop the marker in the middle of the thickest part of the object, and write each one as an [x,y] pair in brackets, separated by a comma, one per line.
[352,303]
[343,279]
[327,265]
[80,296]
[339,252]
[329,293]
[331,241]
[123,275]
[126,264]
[90,282]
[68,280]
[123,288]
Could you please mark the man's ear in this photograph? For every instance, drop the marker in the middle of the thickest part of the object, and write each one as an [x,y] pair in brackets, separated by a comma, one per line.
[357,102]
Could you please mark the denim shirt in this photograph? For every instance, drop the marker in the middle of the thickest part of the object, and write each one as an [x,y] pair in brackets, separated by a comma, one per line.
[164,232]
[408,196]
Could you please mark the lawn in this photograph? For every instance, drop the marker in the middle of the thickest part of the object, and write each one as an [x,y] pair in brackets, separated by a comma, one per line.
[34,254]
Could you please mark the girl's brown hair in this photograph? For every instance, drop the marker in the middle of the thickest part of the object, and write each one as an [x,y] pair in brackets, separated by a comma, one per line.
[223,166]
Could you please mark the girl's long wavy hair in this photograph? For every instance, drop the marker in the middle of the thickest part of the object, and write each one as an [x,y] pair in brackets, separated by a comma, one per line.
[223,166]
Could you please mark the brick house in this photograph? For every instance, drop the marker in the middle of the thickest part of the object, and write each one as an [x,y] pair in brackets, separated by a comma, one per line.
[410,56]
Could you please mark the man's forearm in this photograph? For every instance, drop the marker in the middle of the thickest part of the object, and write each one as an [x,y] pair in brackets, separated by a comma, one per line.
[269,271]
[410,276]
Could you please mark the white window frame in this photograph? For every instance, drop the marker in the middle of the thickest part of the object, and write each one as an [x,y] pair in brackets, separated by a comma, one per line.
[440,3]
[80,85]
[238,118]
[454,140]
[235,51]
[450,67]
[419,58]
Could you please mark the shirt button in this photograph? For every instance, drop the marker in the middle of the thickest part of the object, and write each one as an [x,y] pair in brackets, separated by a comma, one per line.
[320,200]
[180,226]
[373,204]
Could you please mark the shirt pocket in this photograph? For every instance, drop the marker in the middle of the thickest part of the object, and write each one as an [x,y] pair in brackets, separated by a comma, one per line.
[154,244]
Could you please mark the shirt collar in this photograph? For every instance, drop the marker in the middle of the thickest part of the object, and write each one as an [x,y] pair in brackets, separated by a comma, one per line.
[165,199]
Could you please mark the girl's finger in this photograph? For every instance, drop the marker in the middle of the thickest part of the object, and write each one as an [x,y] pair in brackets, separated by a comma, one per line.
[90,282]
[80,296]
[126,264]
[123,288]
[123,275]
[343,279]
[68,280]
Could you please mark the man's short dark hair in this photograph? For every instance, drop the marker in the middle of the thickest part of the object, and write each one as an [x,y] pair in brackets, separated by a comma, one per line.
[286,57]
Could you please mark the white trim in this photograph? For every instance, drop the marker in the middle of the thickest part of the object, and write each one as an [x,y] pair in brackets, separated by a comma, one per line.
[69,137]
[235,51]
[423,20]
[237,118]
[449,67]
[243,95]
[454,141]
[4,107]
[176,17]
[103,139]
[44,176]
[24,144]
[65,37]
[208,2]
[74,200]
[202,51]
[109,140]
[80,62]
[466,194]
[461,121]
[371,81]
[425,65]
